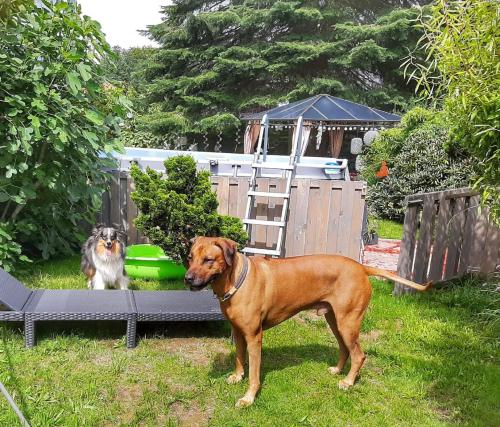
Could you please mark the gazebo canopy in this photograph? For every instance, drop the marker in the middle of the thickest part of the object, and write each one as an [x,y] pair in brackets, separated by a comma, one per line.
[325,108]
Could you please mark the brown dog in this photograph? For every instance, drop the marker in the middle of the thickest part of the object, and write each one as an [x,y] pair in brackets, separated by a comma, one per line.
[258,293]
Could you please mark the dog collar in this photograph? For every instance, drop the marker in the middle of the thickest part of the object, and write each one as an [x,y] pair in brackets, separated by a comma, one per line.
[239,282]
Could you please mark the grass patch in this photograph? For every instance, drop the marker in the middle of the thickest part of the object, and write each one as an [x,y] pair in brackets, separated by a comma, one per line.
[387,228]
[432,361]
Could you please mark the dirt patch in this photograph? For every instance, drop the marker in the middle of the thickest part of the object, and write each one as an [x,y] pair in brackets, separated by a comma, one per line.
[199,352]
[102,360]
[128,396]
[176,387]
[129,393]
[191,415]
[444,413]
[399,325]
[372,336]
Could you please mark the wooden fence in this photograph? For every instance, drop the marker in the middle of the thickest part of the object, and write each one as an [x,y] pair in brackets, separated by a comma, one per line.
[325,216]
[445,235]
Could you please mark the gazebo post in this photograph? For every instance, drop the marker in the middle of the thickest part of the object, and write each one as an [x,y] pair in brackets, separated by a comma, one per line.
[298,133]
[266,137]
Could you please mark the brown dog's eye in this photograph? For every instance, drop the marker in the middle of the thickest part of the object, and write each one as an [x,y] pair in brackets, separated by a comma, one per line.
[209,260]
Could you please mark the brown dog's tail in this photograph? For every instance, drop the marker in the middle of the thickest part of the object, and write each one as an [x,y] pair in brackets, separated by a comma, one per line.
[373,271]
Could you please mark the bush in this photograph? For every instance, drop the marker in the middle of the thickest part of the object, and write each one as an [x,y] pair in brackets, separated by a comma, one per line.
[10,250]
[59,118]
[180,206]
[418,161]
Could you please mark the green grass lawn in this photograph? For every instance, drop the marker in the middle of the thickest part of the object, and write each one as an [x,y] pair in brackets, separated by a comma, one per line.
[432,361]
[387,228]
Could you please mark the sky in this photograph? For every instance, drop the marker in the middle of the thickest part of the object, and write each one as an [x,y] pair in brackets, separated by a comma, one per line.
[120,19]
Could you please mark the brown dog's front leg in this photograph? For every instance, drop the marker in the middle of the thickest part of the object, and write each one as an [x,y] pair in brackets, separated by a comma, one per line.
[254,343]
[241,352]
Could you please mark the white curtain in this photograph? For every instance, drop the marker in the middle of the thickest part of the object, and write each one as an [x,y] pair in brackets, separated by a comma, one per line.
[306,131]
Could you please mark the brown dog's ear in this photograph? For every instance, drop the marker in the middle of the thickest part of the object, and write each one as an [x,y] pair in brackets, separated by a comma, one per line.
[228,248]
[193,240]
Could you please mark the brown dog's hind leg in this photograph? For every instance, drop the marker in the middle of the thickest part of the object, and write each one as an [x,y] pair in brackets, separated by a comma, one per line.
[343,351]
[241,352]
[349,326]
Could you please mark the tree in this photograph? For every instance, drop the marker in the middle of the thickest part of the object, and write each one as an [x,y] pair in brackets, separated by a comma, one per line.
[218,59]
[176,208]
[461,39]
[126,69]
[59,122]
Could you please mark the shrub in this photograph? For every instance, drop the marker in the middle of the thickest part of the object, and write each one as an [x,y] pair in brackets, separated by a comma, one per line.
[418,161]
[10,250]
[179,206]
[58,119]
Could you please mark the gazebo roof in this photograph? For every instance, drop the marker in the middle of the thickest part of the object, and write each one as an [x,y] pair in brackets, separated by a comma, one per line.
[325,108]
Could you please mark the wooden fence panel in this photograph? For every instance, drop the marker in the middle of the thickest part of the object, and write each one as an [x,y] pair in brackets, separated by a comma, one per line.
[406,257]
[334,219]
[324,216]
[440,239]
[468,241]
[345,220]
[454,236]
[132,234]
[490,259]
[457,223]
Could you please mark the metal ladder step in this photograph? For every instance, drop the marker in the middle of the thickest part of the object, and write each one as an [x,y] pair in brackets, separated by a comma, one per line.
[259,251]
[273,166]
[263,222]
[267,194]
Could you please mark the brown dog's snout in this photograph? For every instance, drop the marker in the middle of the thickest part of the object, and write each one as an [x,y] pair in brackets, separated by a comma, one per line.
[189,278]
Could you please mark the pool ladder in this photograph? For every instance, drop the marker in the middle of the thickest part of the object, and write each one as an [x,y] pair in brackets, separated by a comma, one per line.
[259,163]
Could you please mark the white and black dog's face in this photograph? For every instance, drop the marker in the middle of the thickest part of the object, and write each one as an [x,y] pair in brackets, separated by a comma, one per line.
[107,242]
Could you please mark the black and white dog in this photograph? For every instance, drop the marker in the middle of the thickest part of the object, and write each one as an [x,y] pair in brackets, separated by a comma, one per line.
[103,258]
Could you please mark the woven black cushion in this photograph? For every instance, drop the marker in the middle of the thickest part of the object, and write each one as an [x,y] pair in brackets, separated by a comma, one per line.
[80,301]
[13,294]
[176,302]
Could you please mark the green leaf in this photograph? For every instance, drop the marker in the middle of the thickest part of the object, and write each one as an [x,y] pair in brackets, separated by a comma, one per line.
[95,117]
[84,71]
[63,136]
[73,82]
[35,121]
[38,104]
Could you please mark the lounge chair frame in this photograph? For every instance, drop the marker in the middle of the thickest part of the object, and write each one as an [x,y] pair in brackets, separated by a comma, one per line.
[32,306]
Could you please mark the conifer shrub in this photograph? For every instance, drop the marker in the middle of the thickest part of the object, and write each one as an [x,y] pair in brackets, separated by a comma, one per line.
[178,206]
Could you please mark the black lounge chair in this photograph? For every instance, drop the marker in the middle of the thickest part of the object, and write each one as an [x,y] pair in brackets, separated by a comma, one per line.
[20,304]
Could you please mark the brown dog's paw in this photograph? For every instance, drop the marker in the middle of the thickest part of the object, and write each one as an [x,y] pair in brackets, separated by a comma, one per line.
[345,384]
[234,378]
[244,402]
[334,370]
